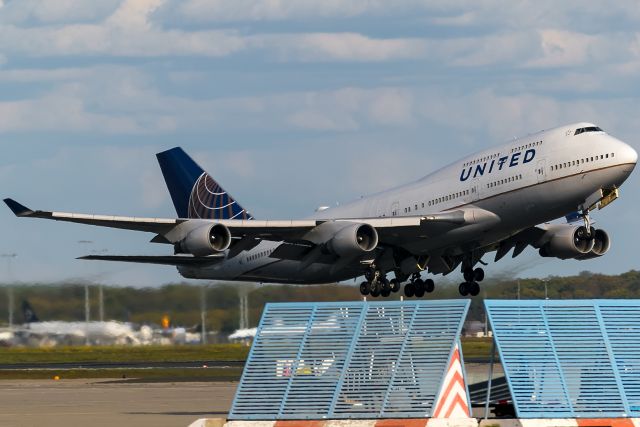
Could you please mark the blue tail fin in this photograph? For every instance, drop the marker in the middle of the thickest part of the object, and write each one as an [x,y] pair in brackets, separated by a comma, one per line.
[194,193]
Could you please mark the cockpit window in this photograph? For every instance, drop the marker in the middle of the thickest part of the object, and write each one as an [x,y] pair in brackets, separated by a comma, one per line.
[588,129]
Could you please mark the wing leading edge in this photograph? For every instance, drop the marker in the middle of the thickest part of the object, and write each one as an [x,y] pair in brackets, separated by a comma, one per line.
[394,231]
[176,260]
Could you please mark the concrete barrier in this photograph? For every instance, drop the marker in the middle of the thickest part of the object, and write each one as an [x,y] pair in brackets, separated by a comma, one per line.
[426,422]
[209,422]
[423,422]
[563,422]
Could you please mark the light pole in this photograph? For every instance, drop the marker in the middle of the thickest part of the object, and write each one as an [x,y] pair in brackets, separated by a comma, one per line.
[87,306]
[203,313]
[9,257]
[546,294]
[100,290]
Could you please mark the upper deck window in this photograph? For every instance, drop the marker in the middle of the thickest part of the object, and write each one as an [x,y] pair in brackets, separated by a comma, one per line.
[588,129]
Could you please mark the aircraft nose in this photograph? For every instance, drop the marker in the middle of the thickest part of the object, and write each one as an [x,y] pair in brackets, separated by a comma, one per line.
[633,154]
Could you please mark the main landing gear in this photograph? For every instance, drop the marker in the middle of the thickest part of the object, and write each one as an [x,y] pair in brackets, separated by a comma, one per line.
[470,285]
[378,285]
[417,287]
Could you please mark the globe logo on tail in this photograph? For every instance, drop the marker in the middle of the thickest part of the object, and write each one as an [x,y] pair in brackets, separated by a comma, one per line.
[208,200]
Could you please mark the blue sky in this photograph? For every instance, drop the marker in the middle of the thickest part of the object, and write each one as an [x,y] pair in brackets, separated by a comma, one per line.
[290,104]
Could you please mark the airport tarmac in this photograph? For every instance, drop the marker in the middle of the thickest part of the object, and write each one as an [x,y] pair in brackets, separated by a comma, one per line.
[64,403]
[104,402]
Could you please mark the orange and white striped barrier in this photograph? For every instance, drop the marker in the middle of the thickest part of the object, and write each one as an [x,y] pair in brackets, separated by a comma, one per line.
[453,401]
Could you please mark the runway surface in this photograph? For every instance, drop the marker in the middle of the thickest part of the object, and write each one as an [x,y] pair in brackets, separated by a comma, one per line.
[109,402]
[123,365]
[64,403]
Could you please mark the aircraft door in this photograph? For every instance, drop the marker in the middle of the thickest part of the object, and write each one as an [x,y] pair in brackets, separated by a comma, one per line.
[381,208]
[475,190]
[541,172]
[395,209]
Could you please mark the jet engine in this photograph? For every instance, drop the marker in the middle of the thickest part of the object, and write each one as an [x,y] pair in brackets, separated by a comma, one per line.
[601,245]
[205,240]
[353,240]
[567,241]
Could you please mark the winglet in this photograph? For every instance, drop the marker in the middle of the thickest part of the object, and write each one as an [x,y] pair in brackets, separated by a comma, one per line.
[17,208]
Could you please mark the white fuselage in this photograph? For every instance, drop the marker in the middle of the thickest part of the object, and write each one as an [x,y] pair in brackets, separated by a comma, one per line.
[526,182]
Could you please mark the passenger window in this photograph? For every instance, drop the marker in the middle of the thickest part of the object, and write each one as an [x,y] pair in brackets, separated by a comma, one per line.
[607,155]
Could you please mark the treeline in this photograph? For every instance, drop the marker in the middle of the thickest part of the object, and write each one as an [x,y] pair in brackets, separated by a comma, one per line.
[182,302]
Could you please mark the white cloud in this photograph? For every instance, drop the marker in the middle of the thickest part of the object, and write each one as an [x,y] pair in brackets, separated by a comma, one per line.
[342,47]
[128,31]
[56,11]
[271,10]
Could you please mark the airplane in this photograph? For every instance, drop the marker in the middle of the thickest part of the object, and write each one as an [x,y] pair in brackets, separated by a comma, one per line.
[497,200]
[36,333]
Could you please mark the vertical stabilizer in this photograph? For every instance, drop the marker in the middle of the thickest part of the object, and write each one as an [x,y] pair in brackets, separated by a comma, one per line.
[28,313]
[194,193]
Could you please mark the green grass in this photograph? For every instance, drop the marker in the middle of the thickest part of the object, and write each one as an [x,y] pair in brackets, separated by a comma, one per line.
[124,354]
[129,375]
[476,347]
[471,348]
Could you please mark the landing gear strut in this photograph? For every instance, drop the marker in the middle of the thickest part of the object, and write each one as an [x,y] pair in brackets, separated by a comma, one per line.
[470,286]
[587,224]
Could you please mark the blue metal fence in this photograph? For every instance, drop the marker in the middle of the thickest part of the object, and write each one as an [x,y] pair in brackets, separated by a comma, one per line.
[348,360]
[576,359]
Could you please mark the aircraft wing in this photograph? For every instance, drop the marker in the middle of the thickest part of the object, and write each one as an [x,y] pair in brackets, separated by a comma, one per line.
[162,260]
[152,225]
[392,231]
[264,229]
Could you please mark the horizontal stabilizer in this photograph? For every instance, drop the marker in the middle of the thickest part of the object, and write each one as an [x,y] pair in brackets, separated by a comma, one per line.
[161,259]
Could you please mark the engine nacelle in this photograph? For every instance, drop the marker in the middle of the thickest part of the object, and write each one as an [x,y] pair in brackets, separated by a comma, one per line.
[353,240]
[205,240]
[601,245]
[567,241]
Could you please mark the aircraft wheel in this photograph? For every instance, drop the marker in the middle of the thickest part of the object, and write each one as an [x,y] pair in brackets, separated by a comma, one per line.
[464,289]
[370,274]
[409,290]
[478,275]
[395,285]
[419,285]
[385,286]
[474,289]
[468,274]
[365,288]
[375,289]
[429,285]
[385,293]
